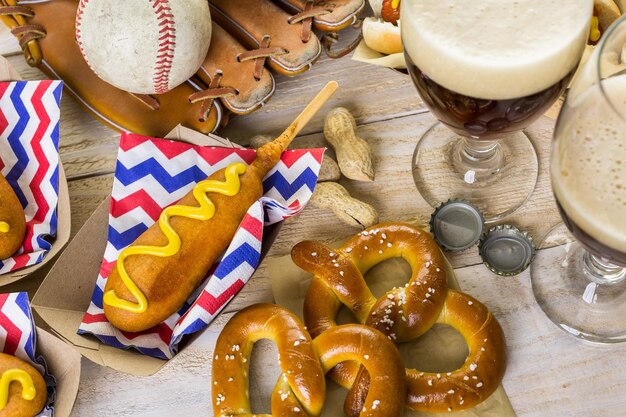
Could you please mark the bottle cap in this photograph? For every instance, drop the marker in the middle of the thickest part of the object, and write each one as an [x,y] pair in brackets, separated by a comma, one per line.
[457,225]
[506,250]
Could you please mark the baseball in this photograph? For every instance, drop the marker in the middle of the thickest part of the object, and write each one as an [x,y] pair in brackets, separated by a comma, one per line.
[144,46]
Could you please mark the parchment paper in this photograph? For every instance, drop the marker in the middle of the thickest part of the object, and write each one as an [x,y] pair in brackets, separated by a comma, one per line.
[441,349]
[364,53]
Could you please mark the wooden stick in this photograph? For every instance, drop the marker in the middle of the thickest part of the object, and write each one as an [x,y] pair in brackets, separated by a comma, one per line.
[307,114]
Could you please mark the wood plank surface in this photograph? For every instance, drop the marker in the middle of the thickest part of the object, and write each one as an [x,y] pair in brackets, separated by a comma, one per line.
[549,373]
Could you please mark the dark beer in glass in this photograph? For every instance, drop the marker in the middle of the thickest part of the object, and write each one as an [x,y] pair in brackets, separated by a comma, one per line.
[484,118]
[579,273]
[487,69]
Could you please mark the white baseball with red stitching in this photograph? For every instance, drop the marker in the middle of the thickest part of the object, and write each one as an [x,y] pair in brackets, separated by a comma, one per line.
[144,46]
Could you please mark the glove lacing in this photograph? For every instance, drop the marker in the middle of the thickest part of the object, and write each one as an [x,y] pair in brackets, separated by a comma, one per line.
[14,16]
[306,16]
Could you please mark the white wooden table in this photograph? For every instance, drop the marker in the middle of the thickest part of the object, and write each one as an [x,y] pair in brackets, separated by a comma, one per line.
[549,373]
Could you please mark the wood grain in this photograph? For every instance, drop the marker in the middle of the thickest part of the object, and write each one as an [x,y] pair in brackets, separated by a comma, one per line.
[549,372]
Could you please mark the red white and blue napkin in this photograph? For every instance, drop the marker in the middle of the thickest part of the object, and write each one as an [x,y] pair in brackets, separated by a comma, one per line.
[18,337]
[152,174]
[29,159]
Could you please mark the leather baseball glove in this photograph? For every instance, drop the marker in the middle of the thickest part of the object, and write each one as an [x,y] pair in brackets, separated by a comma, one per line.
[248,36]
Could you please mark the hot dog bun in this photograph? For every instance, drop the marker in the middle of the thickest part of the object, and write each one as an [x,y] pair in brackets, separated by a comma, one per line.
[381,36]
[381,33]
[16,405]
[12,220]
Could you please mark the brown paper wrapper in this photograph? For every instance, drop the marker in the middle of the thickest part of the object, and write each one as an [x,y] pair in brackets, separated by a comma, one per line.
[64,221]
[364,53]
[441,349]
[64,364]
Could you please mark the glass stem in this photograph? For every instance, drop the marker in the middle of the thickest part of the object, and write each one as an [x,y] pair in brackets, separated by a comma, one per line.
[479,151]
[479,158]
[602,271]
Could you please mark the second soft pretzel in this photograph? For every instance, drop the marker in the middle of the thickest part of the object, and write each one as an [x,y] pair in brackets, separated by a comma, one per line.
[300,390]
[403,314]
[470,384]
[347,264]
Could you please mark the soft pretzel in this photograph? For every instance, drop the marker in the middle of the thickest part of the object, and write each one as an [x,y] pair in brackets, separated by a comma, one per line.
[403,313]
[300,390]
[473,382]
[23,391]
[347,265]
[370,348]
[12,220]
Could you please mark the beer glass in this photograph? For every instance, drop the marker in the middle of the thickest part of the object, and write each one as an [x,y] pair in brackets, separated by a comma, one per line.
[579,278]
[487,69]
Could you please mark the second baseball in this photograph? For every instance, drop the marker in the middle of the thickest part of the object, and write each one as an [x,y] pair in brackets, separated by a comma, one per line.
[144,46]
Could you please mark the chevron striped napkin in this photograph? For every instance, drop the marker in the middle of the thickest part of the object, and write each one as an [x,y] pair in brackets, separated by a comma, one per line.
[18,337]
[29,159]
[152,174]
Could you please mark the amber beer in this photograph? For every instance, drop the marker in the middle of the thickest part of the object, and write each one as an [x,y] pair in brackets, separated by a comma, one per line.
[487,80]
[589,169]
[590,243]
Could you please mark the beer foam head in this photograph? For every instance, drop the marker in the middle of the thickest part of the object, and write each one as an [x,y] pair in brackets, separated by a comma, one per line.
[495,49]
[589,162]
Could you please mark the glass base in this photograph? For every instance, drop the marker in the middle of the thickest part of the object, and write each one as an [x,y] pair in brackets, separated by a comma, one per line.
[574,295]
[496,176]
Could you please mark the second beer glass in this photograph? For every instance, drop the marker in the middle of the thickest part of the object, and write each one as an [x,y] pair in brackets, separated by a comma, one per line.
[487,69]
[579,279]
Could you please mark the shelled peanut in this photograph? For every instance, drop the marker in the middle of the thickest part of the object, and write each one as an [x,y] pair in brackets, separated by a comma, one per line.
[354,155]
[329,171]
[333,196]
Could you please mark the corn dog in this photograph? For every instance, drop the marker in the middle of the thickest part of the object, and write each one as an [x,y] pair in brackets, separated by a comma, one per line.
[22,388]
[12,220]
[156,274]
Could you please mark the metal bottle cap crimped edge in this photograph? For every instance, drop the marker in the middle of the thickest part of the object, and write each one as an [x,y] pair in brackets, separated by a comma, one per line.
[457,225]
[506,250]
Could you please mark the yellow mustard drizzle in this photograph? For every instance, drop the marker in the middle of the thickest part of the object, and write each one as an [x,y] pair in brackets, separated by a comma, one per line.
[230,187]
[395,4]
[21,376]
[594,32]
[4,227]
